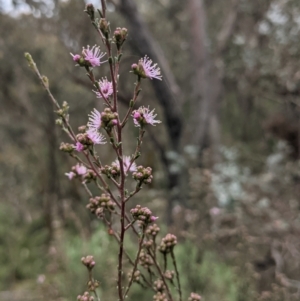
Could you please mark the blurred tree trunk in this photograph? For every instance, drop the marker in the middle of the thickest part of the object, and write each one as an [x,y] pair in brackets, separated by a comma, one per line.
[201,62]
[207,77]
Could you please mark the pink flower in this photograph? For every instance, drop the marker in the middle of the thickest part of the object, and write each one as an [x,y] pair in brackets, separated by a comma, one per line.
[79,147]
[126,163]
[144,116]
[93,55]
[95,136]
[76,57]
[70,175]
[150,71]
[80,169]
[153,218]
[94,120]
[105,87]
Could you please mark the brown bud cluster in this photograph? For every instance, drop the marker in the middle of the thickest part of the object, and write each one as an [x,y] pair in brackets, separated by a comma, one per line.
[88,261]
[93,284]
[194,297]
[148,243]
[66,147]
[85,297]
[100,203]
[108,119]
[136,276]
[111,171]
[142,214]
[120,35]
[153,230]
[159,285]
[169,274]
[160,297]
[145,260]
[143,175]
[168,243]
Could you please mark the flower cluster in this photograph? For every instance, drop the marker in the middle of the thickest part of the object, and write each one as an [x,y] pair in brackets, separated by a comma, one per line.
[144,116]
[90,137]
[168,243]
[66,147]
[100,203]
[78,170]
[145,260]
[153,230]
[95,137]
[109,119]
[194,297]
[160,297]
[90,57]
[136,276]
[120,35]
[111,171]
[105,88]
[169,274]
[142,214]
[148,243]
[93,284]
[143,175]
[159,285]
[145,69]
[85,297]
[88,261]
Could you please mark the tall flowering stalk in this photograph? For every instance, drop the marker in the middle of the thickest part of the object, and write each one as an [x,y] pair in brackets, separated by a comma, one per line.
[148,268]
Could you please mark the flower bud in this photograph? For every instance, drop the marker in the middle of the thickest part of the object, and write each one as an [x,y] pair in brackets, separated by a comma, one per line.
[159,285]
[143,175]
[59,122]
[90,10]
[145,260]
[76,58]
[159,296]
[85,297]
[142,214]
[194,297]
[104,27]
[66,147]
[100,203]
[168,243]
[120,35]
[153,230]
[88,261]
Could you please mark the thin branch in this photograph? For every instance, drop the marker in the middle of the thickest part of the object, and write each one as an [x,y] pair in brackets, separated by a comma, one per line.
[177,275]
